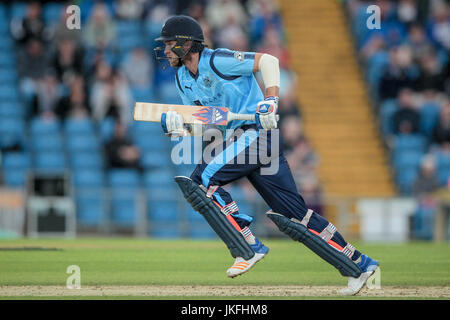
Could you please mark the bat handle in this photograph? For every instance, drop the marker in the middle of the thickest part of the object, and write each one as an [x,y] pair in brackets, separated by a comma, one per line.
[245,116]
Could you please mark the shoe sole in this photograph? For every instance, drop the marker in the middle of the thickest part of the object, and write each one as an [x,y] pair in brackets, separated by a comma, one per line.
[362,286]
[235,275]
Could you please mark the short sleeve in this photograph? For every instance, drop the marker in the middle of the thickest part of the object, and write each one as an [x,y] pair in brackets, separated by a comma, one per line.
[229,64]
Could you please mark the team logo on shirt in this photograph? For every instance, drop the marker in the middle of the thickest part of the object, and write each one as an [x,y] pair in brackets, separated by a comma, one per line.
[212,115]
[207,82]
[238,55]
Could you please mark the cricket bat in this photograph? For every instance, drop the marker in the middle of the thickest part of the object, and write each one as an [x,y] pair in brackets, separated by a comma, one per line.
[144,111]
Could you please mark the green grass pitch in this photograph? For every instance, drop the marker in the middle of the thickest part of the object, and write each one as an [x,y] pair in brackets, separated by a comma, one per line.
[129,261]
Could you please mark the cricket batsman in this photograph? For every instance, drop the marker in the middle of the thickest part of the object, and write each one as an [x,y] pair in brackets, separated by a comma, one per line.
[222,77]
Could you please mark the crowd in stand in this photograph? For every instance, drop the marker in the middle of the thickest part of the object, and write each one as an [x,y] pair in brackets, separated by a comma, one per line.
[86,73]
[408,70]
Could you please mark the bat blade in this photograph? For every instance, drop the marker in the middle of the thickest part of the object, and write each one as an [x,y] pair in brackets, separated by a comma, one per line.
[191,114]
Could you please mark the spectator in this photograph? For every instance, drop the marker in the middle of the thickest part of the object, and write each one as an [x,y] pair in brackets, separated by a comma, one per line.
[60,31]
[47,94]
[439,25]
[418,41]
[406,119]
[120,150]
[432,76]
[427,181]
[75,100]
[219,14]
[138,68]
[129,9]
[31,26]
[67,61]
[400,73]
[312,192]
[265,14]
[100,30]
[303,161]
[291,132]
[407,11]
[110,95]
[232,36]
[32,64]
[272,44]
[441,133]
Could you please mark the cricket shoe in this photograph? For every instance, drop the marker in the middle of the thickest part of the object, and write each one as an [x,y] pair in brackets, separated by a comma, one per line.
[241,265]
[368,267]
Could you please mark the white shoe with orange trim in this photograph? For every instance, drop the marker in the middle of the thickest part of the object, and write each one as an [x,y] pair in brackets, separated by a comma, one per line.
[241,265]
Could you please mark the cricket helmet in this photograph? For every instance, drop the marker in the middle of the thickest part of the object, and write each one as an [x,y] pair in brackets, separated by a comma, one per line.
[182,28]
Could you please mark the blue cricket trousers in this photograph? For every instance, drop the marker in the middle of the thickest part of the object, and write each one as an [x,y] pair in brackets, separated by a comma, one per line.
[254,154]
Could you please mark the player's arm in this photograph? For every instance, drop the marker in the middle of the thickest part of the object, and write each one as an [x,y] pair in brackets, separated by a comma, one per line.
[266,110]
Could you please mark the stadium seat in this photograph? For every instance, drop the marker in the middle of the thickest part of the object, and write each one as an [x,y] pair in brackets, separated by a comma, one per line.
[154,159]
[15,177]
[12,132]
[88,178]
[408,159]
[53,160]
[442,166]
[40,126]
[409,142]
[11,110]
[15,166]
[405,179]
[429,116]
[90,206]
[159,178]
[82,143]
[423,222]
[123,178]
[52,12]
[86,160]
[107,129]
[79,126]
[123,207]
[47,142]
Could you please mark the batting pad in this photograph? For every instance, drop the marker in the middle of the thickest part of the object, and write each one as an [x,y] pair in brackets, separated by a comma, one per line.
[299,232]
[216,219]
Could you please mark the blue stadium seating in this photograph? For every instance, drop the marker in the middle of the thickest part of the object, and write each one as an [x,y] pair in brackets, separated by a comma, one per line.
[52,12]
[79,126]
[40,126]
[405,179]
[423,222]
[123,207]
[159,178]
[47,142]
[12,131]
[11,110]
[443,167]
[50,160]
[408,159]
[123,178]
[15,178]
[88,178]
[82,143]
[91,207]
[409,142]
[154,159]
[18,10]
[15,166]
[87,160]
[429,116]
[8,76]
[107,129]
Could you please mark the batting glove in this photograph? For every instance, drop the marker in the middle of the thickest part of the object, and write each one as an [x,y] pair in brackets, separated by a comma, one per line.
[173,124]
[266,113]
